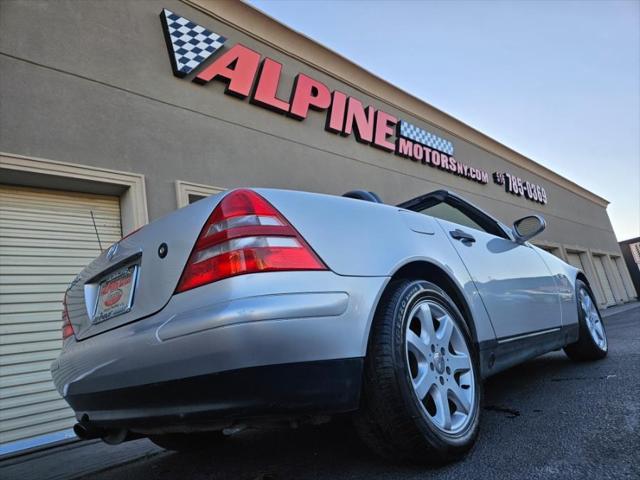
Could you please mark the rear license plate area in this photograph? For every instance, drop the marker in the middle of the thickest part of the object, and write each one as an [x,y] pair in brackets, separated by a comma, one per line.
[115,293]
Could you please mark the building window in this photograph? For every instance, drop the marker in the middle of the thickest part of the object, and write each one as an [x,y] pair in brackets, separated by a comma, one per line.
[188,193]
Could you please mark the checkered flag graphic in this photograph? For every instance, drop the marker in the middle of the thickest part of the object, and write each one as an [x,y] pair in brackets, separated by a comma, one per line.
[189,44]
[407,130]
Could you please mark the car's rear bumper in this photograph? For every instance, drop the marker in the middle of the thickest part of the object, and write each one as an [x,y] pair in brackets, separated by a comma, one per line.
[293,343]
[219,400]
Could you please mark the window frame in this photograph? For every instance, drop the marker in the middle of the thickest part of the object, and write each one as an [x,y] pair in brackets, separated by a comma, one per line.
[488,224]
[43,172]
[184,189]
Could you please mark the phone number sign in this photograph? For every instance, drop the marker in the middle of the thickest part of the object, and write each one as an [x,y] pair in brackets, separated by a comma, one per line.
[521,188]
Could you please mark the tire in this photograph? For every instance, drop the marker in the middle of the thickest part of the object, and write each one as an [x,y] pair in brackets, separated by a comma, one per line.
[592,341]
[393,421]
[188,442]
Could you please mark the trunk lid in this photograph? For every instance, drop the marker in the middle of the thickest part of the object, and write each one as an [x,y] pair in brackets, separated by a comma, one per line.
[151,278]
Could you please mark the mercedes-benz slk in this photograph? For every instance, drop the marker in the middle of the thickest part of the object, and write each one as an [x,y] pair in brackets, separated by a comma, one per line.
[256,306]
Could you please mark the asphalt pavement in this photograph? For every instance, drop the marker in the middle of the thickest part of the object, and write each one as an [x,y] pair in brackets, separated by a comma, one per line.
[547,418]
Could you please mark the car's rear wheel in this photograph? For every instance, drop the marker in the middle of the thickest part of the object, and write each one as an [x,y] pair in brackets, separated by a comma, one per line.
[592,341]
[422,389]
[188,442]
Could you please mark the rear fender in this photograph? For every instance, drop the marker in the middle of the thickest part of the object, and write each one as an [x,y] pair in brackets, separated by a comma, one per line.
[358,238]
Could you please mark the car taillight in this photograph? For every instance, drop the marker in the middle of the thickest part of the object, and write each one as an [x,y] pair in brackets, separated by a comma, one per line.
[67,328]
[245,234]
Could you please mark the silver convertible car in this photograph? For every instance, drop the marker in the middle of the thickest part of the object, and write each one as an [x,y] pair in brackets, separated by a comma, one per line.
[259,306]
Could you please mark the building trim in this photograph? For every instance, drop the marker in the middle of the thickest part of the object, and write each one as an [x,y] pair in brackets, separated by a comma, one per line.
[549,245]
[133,200]
[184,189]
[262,27]
[620,291]
[605,258]
[29,445]
[623,269]
[589,269]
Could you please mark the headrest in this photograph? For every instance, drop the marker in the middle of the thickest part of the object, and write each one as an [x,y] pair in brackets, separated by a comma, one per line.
[363,195]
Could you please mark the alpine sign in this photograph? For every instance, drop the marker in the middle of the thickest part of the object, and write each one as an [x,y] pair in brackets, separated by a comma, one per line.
[249,75]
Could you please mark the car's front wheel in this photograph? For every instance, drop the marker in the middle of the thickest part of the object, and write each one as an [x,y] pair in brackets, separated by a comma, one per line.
[422,389]
[592,341]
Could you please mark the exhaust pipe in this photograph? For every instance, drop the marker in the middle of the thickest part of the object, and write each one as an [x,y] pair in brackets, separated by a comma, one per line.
[112,437]
[116,437]
[87,432]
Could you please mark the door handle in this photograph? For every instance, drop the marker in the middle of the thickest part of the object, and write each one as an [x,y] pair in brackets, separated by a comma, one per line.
[462,236]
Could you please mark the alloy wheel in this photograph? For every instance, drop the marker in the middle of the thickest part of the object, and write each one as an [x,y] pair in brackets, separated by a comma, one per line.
[593,320]
[440,366]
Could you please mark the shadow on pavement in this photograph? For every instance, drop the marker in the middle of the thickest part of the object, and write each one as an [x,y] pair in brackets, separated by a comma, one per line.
[334,451]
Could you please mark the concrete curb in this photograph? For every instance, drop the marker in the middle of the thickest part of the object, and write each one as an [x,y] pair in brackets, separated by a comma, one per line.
[620,308]
[82,458]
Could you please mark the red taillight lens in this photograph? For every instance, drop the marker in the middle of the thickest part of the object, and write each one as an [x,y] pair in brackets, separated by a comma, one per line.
[67,328]
[245,234]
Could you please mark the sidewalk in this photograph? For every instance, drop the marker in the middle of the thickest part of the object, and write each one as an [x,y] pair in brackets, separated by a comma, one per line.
[620,308]
[74,460]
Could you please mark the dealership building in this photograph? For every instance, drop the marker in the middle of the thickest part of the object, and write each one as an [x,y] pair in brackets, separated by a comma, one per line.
[114,114]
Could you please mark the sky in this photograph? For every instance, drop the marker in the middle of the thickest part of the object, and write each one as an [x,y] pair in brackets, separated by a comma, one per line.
[558,81]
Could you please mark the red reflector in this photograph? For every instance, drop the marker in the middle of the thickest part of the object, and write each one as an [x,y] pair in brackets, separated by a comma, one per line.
[245,234]
[67,328]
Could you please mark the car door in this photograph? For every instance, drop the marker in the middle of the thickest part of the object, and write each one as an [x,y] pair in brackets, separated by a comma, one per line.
[515,284]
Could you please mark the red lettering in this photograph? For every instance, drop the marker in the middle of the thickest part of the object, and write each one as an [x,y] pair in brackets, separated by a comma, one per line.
[418,153]
[435,158]
[237,67]
[444,161]
[360,120]
[265,92]
[308,93]
[335,118]
[427,155]
[404,147]
[384,128]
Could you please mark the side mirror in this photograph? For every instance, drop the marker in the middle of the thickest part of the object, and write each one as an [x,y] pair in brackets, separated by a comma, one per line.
[528,227]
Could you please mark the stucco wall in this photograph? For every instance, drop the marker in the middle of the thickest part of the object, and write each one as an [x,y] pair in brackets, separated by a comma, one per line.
[91,83]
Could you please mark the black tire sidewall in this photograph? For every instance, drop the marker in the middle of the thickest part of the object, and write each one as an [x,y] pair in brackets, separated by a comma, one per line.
[414,292]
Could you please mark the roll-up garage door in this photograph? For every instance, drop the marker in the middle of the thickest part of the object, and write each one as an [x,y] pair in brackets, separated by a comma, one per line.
[46,238]
[621,269]
[621,292]
[574,259]
[604,280]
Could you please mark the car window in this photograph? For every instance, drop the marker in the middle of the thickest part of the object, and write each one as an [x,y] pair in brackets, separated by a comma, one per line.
[193,198]
[450,207]
[449,213]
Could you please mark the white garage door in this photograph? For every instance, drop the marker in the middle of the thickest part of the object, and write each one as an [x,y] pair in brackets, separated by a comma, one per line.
[604,280]
[621,268]
[46,237]
[574,259]
[621,291]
